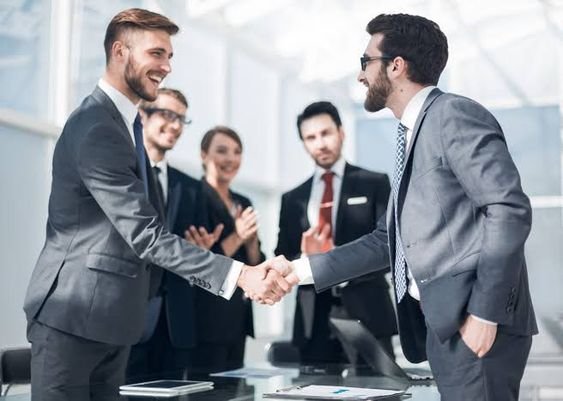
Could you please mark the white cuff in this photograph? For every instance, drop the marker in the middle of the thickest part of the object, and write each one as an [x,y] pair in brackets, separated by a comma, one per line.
[303,270]
[484,320]
[230,283]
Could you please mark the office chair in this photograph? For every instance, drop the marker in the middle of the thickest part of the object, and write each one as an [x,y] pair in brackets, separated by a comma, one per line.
[281,353]
[15,367]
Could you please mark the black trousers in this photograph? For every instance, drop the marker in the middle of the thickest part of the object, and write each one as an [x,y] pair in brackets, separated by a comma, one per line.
[158,358]
[462,376]
[65,367]
[212,357]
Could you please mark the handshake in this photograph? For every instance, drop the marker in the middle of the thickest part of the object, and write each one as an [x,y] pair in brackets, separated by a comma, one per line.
[269,281]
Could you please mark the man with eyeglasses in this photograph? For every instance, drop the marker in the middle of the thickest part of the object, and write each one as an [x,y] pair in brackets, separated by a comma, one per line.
[169,331]
[457,222]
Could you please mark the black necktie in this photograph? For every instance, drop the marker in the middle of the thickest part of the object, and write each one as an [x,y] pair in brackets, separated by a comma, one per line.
[140,149]
[157,172]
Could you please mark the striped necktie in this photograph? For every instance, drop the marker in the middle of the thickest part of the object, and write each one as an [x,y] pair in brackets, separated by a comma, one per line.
[400,261]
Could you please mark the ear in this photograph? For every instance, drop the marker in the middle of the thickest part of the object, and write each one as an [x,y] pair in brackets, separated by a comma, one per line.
[144,116]
[398,66]
[342,132]
[118,50]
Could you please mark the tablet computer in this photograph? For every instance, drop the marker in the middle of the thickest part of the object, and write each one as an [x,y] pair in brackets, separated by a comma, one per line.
[164,388]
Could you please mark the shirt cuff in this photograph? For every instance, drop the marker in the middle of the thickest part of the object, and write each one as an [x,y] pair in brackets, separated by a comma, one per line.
[230,284]
[484,320]
[303,270]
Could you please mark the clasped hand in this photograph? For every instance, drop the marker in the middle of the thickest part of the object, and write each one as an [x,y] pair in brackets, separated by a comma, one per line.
[267,282]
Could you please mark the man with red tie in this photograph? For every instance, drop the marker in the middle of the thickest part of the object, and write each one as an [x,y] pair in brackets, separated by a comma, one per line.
[338,204]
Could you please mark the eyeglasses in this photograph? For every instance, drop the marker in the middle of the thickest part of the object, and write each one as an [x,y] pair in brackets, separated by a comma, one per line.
[168,115]
[364,60]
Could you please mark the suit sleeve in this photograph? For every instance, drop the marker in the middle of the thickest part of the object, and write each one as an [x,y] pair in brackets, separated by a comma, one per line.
[476,151]
[106,164]
[367,254]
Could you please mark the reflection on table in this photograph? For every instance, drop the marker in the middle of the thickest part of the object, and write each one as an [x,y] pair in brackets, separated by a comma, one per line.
[252,388]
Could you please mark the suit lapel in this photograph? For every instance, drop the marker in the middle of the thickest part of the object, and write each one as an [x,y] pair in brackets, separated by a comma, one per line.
[174,193]
[303,203]
[345,189]
[105,101]
[408,157]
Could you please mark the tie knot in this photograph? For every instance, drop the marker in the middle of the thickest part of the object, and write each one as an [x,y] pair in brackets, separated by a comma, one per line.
[401,129]
[137,121]
[327,176]
[156,170]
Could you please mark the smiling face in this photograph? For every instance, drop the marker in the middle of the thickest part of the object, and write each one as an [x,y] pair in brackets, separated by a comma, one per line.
[375,77]
[222,160]
[322,139]
[146,62]
[159,132]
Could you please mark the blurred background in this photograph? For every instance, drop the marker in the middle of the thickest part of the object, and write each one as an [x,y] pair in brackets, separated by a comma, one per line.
[254,65]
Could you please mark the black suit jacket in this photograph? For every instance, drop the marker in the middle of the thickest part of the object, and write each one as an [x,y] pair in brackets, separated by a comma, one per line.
[182,210]
[365,298]
[218,320]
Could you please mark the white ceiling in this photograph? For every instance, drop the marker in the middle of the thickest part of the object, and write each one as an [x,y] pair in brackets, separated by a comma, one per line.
[321,40]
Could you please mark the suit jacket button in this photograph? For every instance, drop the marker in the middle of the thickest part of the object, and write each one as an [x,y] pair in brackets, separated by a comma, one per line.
[221,292]
[509,309]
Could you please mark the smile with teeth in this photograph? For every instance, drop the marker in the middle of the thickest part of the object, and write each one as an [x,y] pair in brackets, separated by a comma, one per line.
[156,79]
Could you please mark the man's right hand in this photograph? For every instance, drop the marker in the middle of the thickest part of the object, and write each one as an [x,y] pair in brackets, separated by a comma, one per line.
[264,283]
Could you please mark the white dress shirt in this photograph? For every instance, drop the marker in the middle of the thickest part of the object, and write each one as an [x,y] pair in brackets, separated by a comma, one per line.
[128,112]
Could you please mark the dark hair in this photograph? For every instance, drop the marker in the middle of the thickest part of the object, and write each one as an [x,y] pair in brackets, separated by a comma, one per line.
[175,93]
[315,109]
[417,39]
[219,129]
[139,19]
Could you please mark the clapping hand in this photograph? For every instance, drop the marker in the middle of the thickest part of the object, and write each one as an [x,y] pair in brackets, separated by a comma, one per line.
[265,283]
[200,236]
[316,241]
[246,224]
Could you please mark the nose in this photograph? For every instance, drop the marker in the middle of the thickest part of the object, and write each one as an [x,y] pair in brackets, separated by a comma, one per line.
[166,66]
[176,124]
[361,76]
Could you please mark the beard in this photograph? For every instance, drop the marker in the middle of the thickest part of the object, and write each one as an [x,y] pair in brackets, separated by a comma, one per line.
[378,93]
[133,78]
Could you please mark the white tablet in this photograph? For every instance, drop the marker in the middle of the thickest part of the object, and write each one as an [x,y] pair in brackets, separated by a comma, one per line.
[164,388]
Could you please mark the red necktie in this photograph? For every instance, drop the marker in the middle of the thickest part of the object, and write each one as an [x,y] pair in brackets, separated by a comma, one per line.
[325,209]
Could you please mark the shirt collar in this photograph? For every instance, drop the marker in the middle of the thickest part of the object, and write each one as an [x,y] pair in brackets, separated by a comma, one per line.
[337,168]
[410,115]
[162,165]
[127,109]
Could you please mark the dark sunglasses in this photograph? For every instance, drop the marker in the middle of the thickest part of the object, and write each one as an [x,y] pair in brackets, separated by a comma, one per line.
[168,115]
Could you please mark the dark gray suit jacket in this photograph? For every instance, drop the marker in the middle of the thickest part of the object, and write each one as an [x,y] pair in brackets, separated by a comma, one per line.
[92,276]
[463,220]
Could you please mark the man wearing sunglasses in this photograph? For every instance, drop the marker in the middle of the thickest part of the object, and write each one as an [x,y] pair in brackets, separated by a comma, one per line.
[169,327]
[456,225]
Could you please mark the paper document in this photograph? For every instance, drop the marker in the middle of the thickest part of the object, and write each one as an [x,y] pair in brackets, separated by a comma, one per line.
[317,392]
[258,373]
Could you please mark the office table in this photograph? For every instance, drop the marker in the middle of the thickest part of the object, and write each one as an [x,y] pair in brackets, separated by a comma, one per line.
[251,389]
